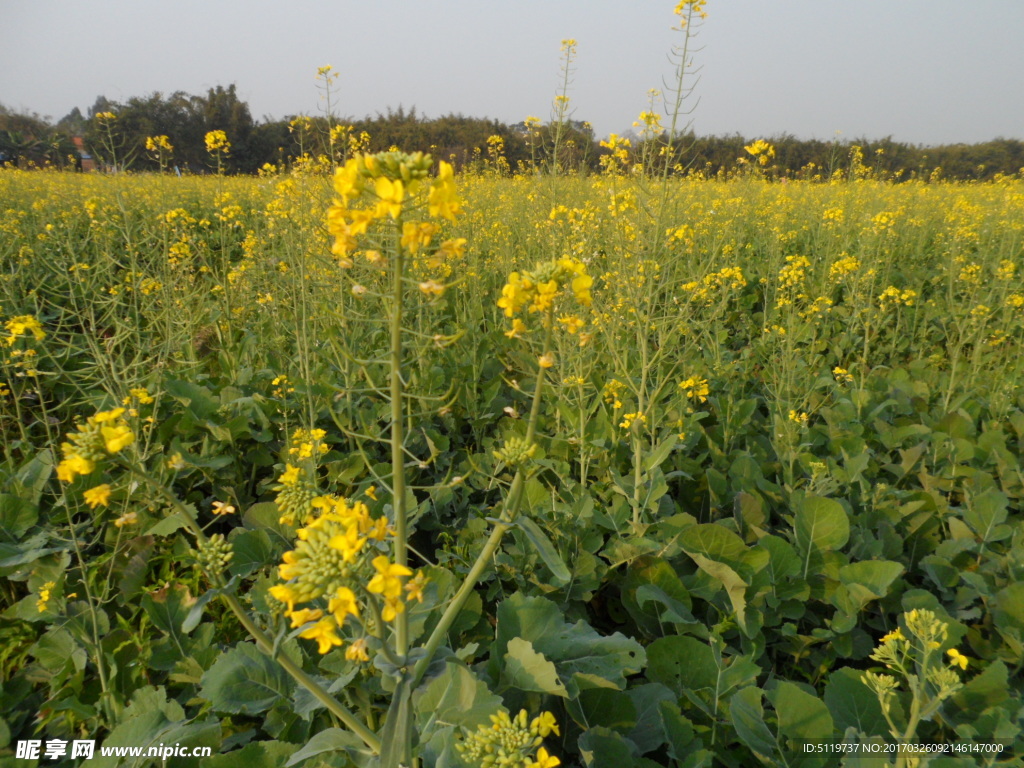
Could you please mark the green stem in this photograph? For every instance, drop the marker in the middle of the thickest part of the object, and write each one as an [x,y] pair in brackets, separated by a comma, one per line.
[510,511]
[401,550]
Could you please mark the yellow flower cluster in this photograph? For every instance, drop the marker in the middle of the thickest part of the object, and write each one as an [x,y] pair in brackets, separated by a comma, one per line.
[539,288]
[22,325]
[716,285]
[217,141]
[307,443]
[510,743]
[104,434]
[333,567]
[895,297]
[159,143]
[761,150]
[695,388]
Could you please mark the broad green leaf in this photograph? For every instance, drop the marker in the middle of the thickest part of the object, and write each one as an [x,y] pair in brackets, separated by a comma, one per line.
[545,549]
[714,542]
[252,550]
[656,457]
[168,608]
[602,747]
[16,517]
[822,524]
[256,754]
[680,663]
[648,734]
[853,705]
[735,587]
[528,670]
[167,525]
[455,697]
[747,716]
[606,707]
[244,680]
[801,716]
[328,740]
[582,657]
[986,514]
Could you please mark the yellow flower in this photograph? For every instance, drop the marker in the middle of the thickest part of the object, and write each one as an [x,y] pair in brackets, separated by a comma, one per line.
[431,287]
[285,594]
[956,658]
[545,724]
[581,285]
[392,607]
[325,632]
[572,323]
[117,437]
[546,360]
[220,508]
[100,495]
[544,760]
[343,604]
[357,651]
[518,328]
[290,476]
[371,492]
[304,616]
[390,193]
[388,580]
[442,200]
[415,587]
[72,466]
[128,518]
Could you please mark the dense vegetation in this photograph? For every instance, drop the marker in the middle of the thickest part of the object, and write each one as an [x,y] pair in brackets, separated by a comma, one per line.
[770,492]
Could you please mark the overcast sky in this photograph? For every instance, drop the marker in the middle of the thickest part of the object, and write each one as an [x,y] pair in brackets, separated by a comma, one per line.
[921,71]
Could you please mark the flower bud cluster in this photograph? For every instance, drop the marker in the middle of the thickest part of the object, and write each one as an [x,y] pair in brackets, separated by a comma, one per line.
[510,743]
[214,555]
[516,451]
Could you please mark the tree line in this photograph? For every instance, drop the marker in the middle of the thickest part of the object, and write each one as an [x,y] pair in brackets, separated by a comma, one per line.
[116,135]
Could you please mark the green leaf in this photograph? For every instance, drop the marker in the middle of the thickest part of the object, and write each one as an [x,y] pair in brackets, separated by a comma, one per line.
[168,608]
[396,736]
[801,715]
[602,747]
[545,549]
[252,550]
[821,526]
[853,705]
[865,581]
[582,657]
[528,670]
[198,400]
[455,697]
[328,740]
[606,707]
[682,663]
[656,457]
[256,754]
[648,734]
[16,517]
[747,716]
[167,525]
[244,680]
[986,514]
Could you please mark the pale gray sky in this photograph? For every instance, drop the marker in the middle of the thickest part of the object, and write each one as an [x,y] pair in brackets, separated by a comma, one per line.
[922,71]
